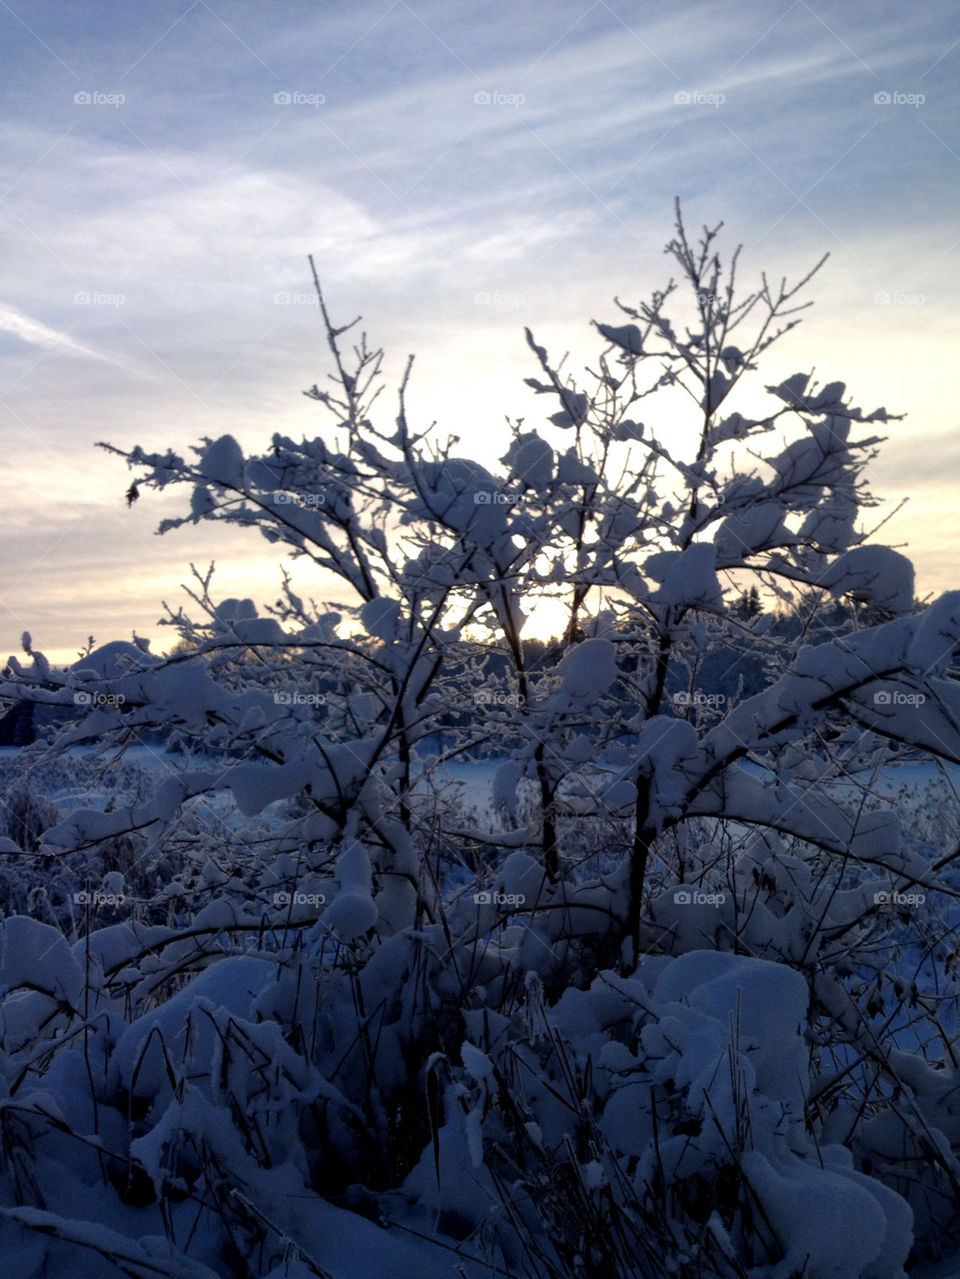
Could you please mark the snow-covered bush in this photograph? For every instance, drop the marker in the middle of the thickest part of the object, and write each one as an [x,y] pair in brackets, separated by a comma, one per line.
[670,990]
[25,814]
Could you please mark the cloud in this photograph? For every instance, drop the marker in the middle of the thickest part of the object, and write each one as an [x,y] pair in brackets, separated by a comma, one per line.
[447,223]
[38,334]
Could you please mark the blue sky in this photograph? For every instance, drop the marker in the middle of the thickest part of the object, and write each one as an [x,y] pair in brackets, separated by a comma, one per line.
[156,280]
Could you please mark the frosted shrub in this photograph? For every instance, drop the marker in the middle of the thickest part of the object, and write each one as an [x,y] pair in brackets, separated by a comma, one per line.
[671,994]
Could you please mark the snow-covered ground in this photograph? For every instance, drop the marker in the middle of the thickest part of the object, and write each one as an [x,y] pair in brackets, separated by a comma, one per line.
[333,1241]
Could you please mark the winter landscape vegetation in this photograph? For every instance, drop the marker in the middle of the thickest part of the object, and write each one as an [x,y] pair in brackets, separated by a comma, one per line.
[523,849]
[371,937]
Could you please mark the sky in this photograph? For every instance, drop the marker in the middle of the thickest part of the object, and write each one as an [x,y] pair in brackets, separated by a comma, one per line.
[458,170]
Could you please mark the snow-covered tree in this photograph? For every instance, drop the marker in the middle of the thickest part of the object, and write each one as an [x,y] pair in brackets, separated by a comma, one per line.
[658,974]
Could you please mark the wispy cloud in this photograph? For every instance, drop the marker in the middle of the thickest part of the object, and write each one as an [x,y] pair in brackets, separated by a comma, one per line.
[448,220]
[38,334]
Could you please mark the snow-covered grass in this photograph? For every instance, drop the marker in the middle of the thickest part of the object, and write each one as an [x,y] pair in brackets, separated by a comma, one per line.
[559,1119]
